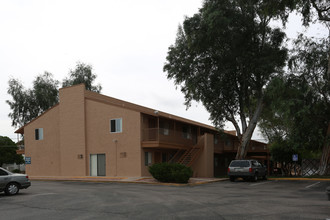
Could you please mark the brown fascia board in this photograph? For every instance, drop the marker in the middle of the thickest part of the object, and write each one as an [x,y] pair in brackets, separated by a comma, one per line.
[138,108]
[67,87]
[21,129]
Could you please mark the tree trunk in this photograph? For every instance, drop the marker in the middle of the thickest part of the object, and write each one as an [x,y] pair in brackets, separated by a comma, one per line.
[282,169]
[246,136]
[326,148]
[325,154]
[328,73]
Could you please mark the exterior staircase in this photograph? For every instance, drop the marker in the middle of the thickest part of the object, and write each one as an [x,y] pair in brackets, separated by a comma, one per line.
[189,156]
[177,156]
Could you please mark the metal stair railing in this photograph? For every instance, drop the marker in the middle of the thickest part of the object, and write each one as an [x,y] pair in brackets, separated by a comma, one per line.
[177,156]
[190,155]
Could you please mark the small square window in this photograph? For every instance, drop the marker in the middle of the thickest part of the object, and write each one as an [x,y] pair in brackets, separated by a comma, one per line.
[39,133]
[116,125]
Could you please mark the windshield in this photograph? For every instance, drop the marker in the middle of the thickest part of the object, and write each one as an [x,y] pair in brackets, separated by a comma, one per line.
[240,163]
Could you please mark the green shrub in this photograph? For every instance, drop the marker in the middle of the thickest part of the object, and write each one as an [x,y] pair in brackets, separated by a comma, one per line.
[16,171]
[170,173]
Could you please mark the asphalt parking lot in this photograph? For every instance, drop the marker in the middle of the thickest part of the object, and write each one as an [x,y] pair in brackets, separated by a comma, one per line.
[220,200]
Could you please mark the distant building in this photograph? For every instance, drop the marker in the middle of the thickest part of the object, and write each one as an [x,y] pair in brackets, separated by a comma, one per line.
[89,134]
[14,166]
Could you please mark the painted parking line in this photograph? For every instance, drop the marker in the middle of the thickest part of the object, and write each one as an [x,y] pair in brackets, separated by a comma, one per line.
[261,183]
[314,184]
[43,194]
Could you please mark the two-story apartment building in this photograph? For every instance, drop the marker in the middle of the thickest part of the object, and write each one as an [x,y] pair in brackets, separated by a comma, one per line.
[89,134]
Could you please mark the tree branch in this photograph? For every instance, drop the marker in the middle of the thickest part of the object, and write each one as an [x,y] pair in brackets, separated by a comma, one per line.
[234,122]
[320,12]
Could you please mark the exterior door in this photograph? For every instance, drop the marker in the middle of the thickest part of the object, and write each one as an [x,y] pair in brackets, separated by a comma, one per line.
[97,164]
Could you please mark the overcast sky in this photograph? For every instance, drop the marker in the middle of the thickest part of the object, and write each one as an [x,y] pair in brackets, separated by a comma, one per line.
[125,41]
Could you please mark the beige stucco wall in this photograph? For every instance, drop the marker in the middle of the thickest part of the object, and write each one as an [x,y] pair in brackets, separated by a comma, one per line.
[45,154]
[72,131]
[204,165]
[80,126]
[123,149]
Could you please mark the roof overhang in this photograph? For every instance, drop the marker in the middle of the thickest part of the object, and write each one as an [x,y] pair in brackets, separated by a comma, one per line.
[20,130]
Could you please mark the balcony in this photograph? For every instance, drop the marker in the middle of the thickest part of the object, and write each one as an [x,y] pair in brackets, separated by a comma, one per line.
[223,146]
[258,148]
[21,149]
[167,138]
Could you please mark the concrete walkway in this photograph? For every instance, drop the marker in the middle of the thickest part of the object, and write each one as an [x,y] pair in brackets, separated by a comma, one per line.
[143,180]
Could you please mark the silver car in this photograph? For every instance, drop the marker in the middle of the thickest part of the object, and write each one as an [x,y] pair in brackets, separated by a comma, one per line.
[246,169]
[11,183]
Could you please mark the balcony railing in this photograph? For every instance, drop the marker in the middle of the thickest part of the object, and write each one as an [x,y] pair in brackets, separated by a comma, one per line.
[21,149]
[221,146]
[258,148]
[169,136]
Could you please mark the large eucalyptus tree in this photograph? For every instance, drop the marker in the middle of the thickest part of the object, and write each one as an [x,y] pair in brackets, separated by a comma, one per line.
[225,56]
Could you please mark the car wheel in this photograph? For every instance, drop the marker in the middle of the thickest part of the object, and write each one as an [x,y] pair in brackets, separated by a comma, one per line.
[11,189]
[255,178]
[264,177]
[232,179]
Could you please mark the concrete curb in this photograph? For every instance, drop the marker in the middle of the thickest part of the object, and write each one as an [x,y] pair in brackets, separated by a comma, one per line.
[175,184]
[122,180]
[289,178]
[138,180]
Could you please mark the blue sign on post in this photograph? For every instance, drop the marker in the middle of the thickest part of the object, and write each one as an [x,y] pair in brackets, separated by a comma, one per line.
[295,157]
[27,160]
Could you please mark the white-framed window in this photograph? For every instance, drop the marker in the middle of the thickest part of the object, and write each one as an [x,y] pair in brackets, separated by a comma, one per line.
[147,158]
[116,125]
[39,133]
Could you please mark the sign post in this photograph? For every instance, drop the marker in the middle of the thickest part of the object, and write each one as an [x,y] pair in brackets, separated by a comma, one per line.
[295,159]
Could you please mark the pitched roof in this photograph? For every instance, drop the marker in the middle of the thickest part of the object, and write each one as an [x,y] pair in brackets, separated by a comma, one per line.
[21,129]
[128,105]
